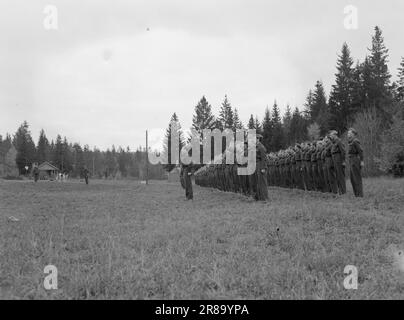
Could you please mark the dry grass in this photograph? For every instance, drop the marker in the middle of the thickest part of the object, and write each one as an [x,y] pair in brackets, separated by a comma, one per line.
[118,240]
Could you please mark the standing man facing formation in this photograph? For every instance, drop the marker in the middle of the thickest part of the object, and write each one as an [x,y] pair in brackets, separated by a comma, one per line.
[86,174]
[355,154]
[261,174]
[36,172]
[187,173]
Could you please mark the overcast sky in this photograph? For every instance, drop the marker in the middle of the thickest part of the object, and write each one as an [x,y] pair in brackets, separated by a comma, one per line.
[114,68]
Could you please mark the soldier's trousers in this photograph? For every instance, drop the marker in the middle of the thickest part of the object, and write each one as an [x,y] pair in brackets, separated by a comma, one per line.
[262,187]
[188,186]
[327,185]
[332,176]
[320,171]
[340,172]
[355,171]
[314,176]
[307,176]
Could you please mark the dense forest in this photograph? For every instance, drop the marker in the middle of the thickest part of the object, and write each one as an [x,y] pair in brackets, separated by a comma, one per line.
[72,157]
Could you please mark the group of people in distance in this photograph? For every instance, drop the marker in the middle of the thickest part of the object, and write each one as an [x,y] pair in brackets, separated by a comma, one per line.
[59,176]
[319,165]
[311,166]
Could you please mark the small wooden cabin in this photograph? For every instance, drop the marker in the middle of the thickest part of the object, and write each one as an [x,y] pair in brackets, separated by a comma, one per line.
[47,171]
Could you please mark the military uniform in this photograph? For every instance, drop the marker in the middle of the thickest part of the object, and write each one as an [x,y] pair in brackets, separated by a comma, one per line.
[260,173]
[338,158]
[355,154]
[188,182]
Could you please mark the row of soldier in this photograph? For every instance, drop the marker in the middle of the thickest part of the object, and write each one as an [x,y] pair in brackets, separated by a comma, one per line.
[318,166]
[311,166]
[225,177]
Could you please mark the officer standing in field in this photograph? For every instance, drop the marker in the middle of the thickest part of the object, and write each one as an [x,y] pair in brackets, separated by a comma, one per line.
[261,179]
[188,182]
[338,158]
[355,154]
[35,171]
[86,174]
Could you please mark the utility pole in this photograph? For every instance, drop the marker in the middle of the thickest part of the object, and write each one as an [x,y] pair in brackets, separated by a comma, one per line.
[147,158]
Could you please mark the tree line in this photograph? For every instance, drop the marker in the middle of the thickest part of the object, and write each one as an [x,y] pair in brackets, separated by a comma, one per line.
[363,96]
[71,158]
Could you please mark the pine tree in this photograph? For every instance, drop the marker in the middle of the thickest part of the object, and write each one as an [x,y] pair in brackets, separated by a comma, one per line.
[287,118]
[251,123]
[298,127]
[26,151]
[379,92]
[277,130]
[226,116]
[237,122]
[341,97]
[267,129]
[319,111]
[43,149]
[308,105]
[203,117]
[58,153]
[258,126]
[174,125]
[400,82]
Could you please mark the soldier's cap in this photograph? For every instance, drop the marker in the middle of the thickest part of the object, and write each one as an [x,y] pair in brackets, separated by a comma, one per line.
[353,131]
[333,133]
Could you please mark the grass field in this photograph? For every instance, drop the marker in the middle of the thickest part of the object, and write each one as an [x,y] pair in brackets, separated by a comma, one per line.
[121,239]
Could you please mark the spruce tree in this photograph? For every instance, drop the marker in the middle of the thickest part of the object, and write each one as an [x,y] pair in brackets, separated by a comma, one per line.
[173,125]
[277,130]
[43,149]
[319,111]
[251,123]
[237,122]
[26,151]
[226,116]
[203,117]
[379,92]
[286,120]
[400,82]
[341,100]
[267,129]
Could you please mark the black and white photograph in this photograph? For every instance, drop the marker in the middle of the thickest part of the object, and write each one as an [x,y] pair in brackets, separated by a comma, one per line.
[224,152]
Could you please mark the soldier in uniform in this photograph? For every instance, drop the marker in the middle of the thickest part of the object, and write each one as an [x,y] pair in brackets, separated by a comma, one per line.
[86,174]
[35,171]
[327,185]
[338,158]
[355,154]
[314,171]
[262,188]
[188,182]
[331,174]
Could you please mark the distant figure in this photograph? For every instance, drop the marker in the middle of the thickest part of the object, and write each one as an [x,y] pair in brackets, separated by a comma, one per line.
[355,154]
[182,177]
[261,179]
[86,174]
[36,172]
[187,173]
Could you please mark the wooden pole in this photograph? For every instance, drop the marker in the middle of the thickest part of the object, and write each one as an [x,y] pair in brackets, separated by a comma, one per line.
[147,158]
